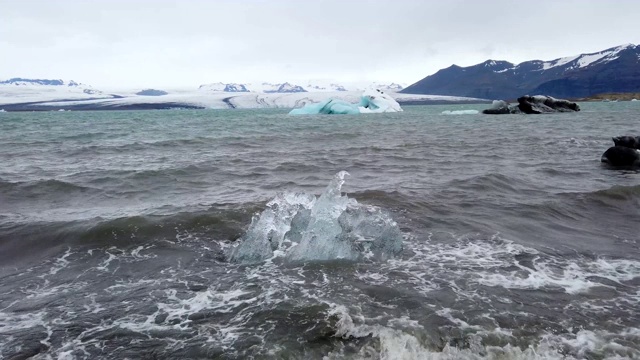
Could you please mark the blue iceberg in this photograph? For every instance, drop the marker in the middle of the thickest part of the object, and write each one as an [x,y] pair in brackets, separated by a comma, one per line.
[371,101]
[330,106]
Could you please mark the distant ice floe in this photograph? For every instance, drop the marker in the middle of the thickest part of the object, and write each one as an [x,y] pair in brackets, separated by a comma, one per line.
[460,112]
[371,101]
[300,227]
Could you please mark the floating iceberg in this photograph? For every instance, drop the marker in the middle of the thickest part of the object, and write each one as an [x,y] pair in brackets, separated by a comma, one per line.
[301,227]
[371,101]
[460,112]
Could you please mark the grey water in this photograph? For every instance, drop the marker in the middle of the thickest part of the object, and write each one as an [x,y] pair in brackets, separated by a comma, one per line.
[116,229]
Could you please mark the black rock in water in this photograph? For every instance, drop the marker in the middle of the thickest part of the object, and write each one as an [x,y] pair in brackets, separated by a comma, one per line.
[621,156]
[627,141]
[541,104]
[538,104]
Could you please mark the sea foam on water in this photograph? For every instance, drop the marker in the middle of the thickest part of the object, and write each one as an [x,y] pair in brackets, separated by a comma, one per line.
[301,227]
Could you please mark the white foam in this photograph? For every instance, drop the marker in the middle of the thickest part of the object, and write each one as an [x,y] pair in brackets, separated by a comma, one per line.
[59,264]
[572,277]
[398,344]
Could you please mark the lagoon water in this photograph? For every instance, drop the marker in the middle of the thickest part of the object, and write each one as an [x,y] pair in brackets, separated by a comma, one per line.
[115,230]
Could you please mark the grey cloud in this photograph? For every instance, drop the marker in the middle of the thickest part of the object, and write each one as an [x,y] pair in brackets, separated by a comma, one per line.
[186,43]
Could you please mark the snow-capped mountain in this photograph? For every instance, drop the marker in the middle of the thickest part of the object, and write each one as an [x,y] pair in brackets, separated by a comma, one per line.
[282,88]
[322,87]
[221,87]
[392,87]
[42,82]
[286,87]
[264,87]
[23,89]
[612,70]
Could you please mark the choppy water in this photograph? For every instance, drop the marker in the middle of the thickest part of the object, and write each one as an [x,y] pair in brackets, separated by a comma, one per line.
[517,242]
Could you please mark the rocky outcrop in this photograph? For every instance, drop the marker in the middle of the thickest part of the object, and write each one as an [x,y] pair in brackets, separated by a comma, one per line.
[627,141]
[541,104]
[538,104]
[621,156]
[625,152]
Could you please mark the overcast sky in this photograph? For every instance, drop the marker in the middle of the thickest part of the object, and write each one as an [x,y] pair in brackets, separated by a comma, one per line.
[186,43]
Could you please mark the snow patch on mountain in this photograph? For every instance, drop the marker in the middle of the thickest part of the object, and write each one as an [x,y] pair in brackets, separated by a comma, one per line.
[546,65]
[584,60]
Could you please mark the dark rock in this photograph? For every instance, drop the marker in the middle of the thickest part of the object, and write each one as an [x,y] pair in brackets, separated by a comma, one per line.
[540,104]
[235,88]
[627,141]
[151,92]
[621,156]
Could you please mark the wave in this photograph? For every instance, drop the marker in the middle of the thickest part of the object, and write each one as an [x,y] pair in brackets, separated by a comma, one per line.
[96,179]
[616,201]
[618,192]
[224,222]
[28,189]
[103,183]
[86,136]
[492,182]
[138,146]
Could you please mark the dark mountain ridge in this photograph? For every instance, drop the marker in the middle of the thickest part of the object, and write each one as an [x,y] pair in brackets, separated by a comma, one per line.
[612,70]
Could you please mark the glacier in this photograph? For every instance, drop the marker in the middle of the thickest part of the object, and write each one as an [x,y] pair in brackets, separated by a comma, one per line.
[38,94]
[371,101]
[298,227]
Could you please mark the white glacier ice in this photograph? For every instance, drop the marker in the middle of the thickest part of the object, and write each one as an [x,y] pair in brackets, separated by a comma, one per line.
[460,112]
[371,101]
[301,227]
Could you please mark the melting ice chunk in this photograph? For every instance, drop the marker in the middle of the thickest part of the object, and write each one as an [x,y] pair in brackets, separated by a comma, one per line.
[300,227]
[371,101]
